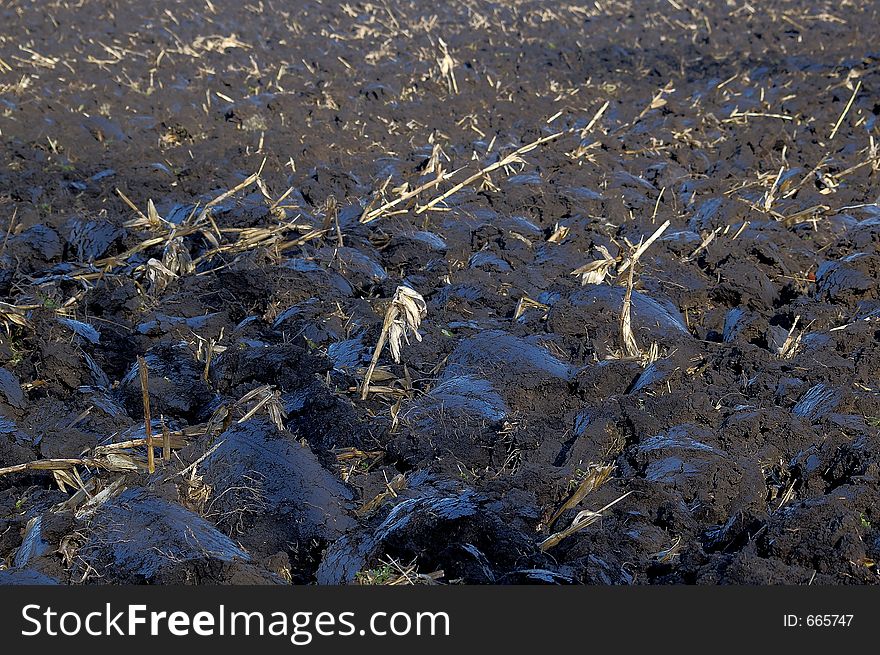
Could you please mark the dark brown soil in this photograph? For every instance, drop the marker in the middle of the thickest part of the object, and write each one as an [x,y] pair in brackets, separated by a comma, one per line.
[746,459]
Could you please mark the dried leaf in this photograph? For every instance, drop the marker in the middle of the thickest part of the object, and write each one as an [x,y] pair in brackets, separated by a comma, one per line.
[409,309]
[403,316]
[597,271]
[176,257]
[583,519]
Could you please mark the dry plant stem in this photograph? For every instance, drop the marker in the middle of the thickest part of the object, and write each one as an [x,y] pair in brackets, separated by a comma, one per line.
[505,161]
[43,465]
[166,443]
[845,110]
[396,484]
[250,179]
[594,479]
[643,247]
[148,431]
[704,244]
[8,231]
[132,206]
[390,315]
[379,211]
[509,159]
[582,520]
[175,441]
[110,457]
[192,467]
[627,339]
[339,242]
[595,119]
[208,357]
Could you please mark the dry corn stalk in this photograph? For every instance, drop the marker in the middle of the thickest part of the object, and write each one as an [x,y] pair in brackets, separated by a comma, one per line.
[627,338]
[526,303]
[157,274]
[509,160]
[597,271]
[447,67]
[642,247]
[114,461]
[404,315]
[559,233]
[148,429]
[110,457]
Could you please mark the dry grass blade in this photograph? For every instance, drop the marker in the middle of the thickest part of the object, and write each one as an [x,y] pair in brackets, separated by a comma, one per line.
[110,491]
[346,454]
[218,43]
[250,179]
[670,553]
[373,214]
[771,194]
[658,100]
[69,478]
[191,469]
[166,443]
[355,460]
[175,441]
[559,233]
[447,67]
[595,119]
[142,220]
[703,245]
[809,215]
[153,214]
[583,520]
[87,492]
